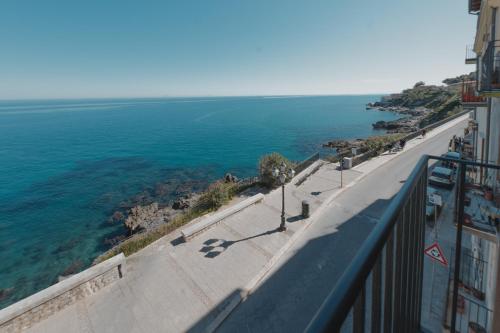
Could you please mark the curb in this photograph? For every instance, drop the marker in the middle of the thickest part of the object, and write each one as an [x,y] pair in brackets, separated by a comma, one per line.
[247,290]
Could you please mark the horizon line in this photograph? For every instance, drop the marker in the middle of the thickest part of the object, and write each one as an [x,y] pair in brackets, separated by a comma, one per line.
[183,96]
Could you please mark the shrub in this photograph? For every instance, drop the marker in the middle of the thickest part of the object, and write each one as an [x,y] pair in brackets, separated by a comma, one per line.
[216,195]
[379,143]
[266,166]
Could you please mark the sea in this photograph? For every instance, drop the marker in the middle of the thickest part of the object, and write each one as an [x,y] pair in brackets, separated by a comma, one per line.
[67,165]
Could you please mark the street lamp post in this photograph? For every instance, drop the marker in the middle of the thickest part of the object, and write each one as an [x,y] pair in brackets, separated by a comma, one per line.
[341,172]
[281,174]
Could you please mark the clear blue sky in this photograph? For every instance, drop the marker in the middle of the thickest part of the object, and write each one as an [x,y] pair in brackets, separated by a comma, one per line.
[104,48]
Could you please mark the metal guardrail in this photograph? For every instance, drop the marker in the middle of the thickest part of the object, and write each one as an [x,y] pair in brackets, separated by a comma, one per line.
[394,250]
[396,246]
[306,163]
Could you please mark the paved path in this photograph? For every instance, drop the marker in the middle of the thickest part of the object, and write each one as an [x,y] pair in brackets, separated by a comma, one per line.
[171,286]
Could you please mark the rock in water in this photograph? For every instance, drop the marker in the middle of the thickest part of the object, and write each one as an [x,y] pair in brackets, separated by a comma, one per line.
[116,217]
[4,293]
[180,204]
[141,215]
[229,178]
[75,267]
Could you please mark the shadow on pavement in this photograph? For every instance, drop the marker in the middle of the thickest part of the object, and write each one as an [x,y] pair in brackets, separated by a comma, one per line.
[295,218]
[213,246]
[288,299]
[316,193]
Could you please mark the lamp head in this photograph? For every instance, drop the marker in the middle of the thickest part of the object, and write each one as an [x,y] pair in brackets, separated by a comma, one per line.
[282,178]
[282,167]
[276,172]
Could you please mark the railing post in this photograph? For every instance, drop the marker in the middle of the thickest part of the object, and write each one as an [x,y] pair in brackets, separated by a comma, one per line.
[359,312]
[458,242]
[420,248]
[376,296]
[396,318]
[389,282]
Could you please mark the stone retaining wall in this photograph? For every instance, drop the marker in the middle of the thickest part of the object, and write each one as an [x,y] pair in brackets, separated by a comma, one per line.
[33,309]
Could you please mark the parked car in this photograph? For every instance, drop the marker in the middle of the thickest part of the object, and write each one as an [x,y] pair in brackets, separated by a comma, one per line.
[430,208]
[442,177]
[452,155]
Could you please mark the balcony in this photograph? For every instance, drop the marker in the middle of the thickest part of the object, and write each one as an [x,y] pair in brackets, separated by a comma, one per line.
[391,286]
[474,6]
[489,69]
[469,98]
[470,55]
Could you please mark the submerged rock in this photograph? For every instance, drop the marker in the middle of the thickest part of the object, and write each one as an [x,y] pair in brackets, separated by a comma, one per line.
[140,216]
[74,268]
[114,240]
[116,217]
[6,292]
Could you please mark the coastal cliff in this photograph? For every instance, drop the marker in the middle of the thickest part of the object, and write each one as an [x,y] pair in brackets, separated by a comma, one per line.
[421,105]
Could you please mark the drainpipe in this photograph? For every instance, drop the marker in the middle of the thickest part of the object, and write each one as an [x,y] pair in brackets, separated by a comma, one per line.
[488,125]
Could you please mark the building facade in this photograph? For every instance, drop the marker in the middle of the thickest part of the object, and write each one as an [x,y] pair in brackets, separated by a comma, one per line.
[482,137]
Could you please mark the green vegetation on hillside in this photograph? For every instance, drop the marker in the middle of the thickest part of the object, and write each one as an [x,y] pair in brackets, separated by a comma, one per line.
[444,101]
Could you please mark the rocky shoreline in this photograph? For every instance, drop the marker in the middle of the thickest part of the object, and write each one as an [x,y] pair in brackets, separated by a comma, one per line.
[148,210]
[419,106]
[409,123]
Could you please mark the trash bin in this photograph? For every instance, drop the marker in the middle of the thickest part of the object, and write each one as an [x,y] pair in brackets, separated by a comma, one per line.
[305,209]
[347,163]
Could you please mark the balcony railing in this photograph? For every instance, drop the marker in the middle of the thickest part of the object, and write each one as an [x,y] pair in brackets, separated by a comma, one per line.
[470,55]
[474,6]
[383,287]
[469,96]
[490,69]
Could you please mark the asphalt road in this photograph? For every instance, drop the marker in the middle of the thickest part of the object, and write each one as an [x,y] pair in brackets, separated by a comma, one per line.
[296,287]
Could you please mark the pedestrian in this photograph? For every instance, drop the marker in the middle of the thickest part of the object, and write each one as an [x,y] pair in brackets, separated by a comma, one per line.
[423,133]
[402,143]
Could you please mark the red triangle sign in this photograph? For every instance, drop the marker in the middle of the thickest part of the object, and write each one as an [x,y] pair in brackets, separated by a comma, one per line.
[435,252]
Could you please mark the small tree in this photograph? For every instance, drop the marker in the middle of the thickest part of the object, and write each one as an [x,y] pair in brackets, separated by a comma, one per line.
[266,166]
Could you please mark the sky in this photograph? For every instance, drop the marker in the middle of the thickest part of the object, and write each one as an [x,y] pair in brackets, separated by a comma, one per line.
[121,48]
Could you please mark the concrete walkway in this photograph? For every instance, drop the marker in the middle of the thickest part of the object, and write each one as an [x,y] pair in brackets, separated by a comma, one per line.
[172,286]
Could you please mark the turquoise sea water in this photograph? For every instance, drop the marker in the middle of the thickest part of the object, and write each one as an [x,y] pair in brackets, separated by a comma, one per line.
[67,165]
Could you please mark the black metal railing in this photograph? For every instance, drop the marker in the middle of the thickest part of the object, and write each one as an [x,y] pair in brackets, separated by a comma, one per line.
[388,269]
[393,250]
[490,68]
[470,55]
[474,6]
[472,274]
[306,163]
[473,316]
[468,94]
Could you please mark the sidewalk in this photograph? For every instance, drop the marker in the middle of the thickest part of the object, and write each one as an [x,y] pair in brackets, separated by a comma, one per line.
[169,286]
